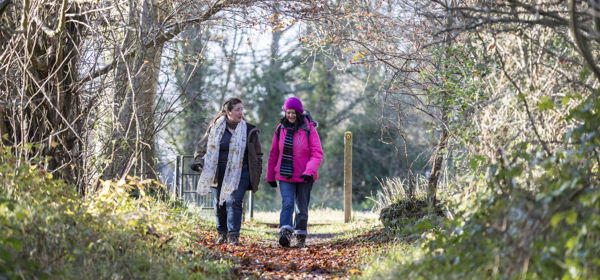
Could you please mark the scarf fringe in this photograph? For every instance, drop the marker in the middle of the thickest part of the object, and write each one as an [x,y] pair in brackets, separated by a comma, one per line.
[235,160]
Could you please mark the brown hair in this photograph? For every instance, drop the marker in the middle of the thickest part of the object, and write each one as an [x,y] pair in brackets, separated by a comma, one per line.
[226,107]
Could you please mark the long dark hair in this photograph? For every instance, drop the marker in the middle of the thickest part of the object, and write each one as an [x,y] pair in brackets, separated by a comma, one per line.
[298,123]
[226,107]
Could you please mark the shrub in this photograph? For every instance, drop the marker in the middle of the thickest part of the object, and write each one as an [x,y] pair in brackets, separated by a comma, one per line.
[48,231]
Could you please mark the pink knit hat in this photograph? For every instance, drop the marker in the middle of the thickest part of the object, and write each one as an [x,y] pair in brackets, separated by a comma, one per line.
[293,103]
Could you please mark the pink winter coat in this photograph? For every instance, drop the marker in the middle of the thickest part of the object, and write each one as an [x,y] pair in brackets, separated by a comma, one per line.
[306,159]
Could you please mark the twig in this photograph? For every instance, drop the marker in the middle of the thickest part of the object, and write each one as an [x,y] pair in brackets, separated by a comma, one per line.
[61,22]
[579,41]
[530,117]
[164,37]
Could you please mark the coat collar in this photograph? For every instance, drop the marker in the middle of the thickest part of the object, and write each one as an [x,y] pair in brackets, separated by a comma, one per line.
[302,126]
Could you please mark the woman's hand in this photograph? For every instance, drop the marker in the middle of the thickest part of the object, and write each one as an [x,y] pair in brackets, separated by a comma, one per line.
[307,178]
[273,184]
[196,167]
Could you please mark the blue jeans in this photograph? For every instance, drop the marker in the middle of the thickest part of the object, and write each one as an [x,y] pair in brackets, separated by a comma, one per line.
[295,199]
[229,215]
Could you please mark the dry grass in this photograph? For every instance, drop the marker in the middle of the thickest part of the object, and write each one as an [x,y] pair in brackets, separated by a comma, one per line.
[318,216]
[325,224]
[396,189]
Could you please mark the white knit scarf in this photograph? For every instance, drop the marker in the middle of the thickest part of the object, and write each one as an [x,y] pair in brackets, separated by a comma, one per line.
[235,160]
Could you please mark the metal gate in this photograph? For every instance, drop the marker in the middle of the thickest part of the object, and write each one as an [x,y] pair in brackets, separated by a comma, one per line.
[185,183]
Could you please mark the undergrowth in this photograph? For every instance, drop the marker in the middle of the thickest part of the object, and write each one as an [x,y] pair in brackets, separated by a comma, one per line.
[530,216]
[49,231]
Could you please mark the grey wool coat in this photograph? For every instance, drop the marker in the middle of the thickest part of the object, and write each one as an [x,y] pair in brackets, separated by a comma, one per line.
[254,154]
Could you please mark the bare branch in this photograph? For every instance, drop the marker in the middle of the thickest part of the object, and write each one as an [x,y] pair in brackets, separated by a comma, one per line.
[3,5]
[175,29]
[579,40]
[61,22]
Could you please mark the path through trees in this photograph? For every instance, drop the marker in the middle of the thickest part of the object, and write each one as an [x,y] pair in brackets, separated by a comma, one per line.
[328,255]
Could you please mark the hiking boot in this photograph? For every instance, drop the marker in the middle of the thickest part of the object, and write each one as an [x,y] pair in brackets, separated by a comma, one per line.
[300,240]
[234,239]
[285,237]
[222,239]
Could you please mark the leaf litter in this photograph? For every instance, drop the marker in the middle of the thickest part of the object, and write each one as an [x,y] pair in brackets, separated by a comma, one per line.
[321,259]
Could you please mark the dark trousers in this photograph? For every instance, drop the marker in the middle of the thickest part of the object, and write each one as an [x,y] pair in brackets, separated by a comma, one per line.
[295,199]
[229,215]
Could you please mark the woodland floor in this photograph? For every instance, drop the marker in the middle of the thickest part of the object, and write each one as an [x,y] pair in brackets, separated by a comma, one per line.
[334,251]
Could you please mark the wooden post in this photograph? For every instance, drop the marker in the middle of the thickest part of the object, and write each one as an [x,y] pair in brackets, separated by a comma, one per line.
[347,176]
[176,186]
[251,205]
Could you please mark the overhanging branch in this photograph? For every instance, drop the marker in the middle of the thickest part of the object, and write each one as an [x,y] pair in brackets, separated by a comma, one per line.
[61,22]
[173,31]
[3,5]
[579,40]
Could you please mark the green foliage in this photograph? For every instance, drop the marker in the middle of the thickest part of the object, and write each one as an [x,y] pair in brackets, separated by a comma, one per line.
[455,81]
[48,231]
[545,104]
[522,209]
[511,230]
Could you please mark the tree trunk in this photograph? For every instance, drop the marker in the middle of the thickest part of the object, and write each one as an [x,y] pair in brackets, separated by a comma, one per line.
[132,142]
[40,99]
[440,151]
[438,158]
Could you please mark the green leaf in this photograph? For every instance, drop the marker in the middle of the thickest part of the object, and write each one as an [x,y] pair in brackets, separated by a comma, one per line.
[572,242]
[473,163]
[585,72]
[5,254]
[545,104]
[571,217]
[423,225]
[21,215]
[15,243]
[556,218]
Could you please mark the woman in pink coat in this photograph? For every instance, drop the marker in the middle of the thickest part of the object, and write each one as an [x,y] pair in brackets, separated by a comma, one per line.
[294,160]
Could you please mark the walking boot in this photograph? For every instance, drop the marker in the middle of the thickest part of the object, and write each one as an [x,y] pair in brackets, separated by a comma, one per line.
[285,237]
[300,240]
[222,239]
[234,238]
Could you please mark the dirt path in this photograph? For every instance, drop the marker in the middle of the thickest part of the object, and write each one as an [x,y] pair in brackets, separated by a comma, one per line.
[321,259]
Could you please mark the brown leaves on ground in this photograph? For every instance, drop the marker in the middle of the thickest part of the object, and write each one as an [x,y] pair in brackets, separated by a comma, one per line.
[265,259]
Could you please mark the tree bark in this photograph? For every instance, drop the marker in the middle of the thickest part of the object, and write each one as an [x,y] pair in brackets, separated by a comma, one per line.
[440,150]
[132,142]
[439,154]
[42,107]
